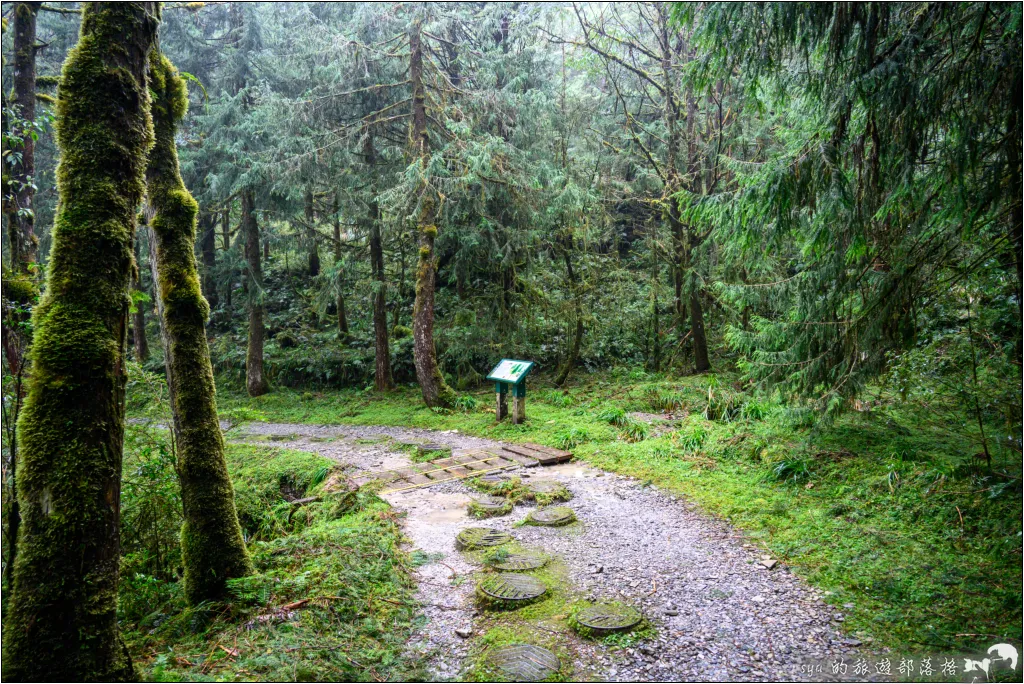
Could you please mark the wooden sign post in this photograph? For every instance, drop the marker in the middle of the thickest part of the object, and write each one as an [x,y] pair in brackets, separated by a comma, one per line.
[510,373]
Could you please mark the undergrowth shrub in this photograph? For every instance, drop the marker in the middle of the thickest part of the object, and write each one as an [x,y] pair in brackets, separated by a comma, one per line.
[690,439]
[559,398]
[661,401]
[572,437]
[632,430]
[613,415]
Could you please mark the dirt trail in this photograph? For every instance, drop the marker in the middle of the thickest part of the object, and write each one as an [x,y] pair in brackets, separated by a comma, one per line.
[718,614]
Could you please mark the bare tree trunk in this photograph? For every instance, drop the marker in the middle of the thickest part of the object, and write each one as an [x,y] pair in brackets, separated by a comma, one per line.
[436,391]
[61,622]
[21,217]
[342,317]
[226,226]
[18,191]
[226,229]
[255,381]
[577,338]
[314,248]
[701,362]
[208,246]
[212,549]
[382,377]
[139,340]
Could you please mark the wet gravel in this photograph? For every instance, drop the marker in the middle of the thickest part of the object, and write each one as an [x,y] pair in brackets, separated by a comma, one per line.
[719,613]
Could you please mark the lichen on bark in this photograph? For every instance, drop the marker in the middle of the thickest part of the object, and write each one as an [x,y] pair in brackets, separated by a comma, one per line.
[211,539]
[61,622]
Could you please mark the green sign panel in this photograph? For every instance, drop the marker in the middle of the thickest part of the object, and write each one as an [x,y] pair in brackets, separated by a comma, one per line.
[510,371]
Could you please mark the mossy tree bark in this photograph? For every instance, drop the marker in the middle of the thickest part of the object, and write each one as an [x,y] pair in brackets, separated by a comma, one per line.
[382,378]
[436,391]
[61,623]
[211,539]
[255,381]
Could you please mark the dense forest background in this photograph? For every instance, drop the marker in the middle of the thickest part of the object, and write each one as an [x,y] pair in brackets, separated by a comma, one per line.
[817,207]
[815,203]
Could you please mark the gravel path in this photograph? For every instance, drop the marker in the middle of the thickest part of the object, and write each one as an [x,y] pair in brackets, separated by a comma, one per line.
[719,614]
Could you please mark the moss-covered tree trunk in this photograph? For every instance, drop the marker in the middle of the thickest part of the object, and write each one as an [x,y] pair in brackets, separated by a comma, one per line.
[211,539]
[255,381]
[61,622]
[436,391]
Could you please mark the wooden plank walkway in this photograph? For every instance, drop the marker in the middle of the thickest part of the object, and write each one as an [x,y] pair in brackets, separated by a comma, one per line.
[469,463]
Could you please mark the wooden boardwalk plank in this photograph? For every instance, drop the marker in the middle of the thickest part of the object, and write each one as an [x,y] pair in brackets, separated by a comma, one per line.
[543,455]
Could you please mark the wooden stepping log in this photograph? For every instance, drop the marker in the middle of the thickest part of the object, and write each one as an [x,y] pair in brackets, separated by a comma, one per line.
[513,587]
[606,618]
[472,463]
[481,537]
[542,454]
[467,464]
[551,517]
[525,662]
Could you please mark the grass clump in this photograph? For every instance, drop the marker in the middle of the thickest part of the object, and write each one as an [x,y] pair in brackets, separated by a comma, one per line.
[572,437]
[633,430]
[512,490]
[613,415]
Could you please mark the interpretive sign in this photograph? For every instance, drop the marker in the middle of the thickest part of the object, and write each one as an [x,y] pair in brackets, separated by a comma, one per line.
[510,371]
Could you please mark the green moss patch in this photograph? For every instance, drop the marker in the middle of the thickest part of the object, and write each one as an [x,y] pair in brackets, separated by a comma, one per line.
[602,619]
[555,516]
[488,506]
[331,598]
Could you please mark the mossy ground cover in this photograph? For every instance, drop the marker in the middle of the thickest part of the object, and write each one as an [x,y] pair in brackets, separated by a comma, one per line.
[882,508]
[331,598]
